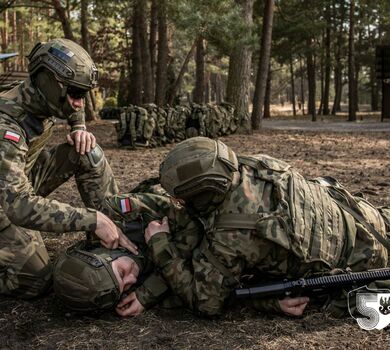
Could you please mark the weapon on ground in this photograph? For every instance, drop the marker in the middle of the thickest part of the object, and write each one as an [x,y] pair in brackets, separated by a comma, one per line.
[313,285]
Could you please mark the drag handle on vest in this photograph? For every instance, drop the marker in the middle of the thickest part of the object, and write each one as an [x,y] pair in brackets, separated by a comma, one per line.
[134,230]
[313,285]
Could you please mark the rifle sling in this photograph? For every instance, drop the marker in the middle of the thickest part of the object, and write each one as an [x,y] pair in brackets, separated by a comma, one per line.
[369,227]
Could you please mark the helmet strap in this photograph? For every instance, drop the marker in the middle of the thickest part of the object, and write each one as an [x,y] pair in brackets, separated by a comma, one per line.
[64,91]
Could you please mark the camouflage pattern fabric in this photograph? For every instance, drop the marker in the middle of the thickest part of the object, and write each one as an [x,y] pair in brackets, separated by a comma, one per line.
[186,233]
[277,223]
[153,126]
[28,173]
[144,127]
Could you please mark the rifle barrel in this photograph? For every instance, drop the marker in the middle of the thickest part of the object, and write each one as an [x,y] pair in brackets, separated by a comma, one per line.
[312,284]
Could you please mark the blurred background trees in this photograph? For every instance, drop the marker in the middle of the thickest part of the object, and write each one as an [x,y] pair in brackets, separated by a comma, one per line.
[310,56]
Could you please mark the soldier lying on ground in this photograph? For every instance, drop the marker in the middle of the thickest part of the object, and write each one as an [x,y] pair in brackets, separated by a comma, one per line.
[90,277]
[260,214]
[61,73]
[327,237]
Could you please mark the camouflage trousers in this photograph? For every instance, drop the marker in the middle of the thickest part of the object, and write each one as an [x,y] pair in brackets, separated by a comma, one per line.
[25,267]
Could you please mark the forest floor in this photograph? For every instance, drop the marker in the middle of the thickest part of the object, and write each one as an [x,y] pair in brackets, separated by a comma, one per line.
[359,158]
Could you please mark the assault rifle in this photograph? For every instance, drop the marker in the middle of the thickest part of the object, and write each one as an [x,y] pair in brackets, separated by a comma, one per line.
[313,285]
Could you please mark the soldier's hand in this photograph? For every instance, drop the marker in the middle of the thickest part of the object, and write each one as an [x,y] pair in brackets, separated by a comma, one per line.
[155,227]
[129,306]
[83,141]
[111,236]
[294,306]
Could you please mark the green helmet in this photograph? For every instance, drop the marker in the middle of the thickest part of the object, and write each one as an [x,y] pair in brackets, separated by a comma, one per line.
[84,279]
[60,67]
[200,171]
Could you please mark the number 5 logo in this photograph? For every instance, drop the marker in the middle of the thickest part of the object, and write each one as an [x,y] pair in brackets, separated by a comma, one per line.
[368,304]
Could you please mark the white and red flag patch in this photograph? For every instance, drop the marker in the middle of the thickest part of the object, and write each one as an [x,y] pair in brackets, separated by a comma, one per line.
[13,136]
[125,205]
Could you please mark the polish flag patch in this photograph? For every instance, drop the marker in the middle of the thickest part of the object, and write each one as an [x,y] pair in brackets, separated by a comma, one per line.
[125,205]
[13,136]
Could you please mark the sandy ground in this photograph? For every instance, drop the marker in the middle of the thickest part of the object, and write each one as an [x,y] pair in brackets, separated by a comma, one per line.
[358,156]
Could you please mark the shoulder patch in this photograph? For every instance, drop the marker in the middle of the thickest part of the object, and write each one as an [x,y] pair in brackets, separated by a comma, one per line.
[13,136]
[125,205]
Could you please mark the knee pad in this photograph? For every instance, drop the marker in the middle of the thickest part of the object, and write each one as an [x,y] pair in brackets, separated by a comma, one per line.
[96,156]
[35,278]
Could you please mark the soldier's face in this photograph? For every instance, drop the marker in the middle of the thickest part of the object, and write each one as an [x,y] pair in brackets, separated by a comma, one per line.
[76,103]
[126,272]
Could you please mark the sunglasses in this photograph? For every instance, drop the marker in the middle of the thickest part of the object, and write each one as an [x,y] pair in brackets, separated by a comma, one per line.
[76,93]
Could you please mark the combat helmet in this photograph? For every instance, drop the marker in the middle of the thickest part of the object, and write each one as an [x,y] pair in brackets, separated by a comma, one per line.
[83,277]
[60,67]
[200,171]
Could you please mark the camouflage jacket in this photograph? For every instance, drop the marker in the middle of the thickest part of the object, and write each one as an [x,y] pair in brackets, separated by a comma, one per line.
[143,208]
[274,222]
[24,132]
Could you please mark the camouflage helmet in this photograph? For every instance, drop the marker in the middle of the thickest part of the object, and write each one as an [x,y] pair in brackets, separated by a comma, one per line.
[68,61]
[59,68]
[83,277]
[196,166]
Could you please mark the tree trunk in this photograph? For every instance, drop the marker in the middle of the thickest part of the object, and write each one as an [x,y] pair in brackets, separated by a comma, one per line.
[351,64]
[64,19]
[84,26]
[302,86]
[14,36]
[21,41]
[90,112]
[262,73]
[122,91]
[338,71]
[135,89]
[311,80]
[128,64]
[267,97]
[207,87]
[153,40]
[240,61]
[162,57]
[4,37]
[292,86]
[325,106]
[179,78]
[199,91]
[322,77]
[218,89]
[374,89]
[338,88]
[145,53]
[357,73]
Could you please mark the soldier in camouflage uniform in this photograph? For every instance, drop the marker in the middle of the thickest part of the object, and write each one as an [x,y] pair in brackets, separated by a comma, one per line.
[89,277]
[260,214]
[61,73]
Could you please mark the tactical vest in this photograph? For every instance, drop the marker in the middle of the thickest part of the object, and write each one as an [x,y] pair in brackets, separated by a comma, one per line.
[298,215]
[37,131]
